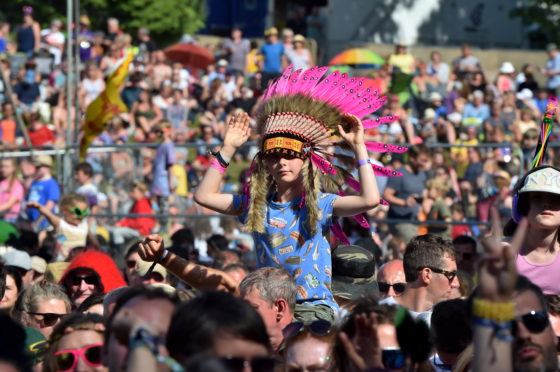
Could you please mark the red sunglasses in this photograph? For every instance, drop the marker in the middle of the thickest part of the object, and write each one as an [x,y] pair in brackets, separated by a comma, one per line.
[66,360]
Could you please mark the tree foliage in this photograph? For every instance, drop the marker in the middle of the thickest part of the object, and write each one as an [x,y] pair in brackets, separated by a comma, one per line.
[166,19]
[542,15]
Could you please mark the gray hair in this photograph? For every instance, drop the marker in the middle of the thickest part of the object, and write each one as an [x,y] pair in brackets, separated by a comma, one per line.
[30,298]
[272,283]
[113,20]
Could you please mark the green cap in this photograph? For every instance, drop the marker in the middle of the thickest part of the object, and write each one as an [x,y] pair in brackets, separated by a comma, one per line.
[353,273]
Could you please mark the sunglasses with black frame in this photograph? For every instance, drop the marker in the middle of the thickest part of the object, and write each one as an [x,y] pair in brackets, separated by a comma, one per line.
[49,319]
[397,287]
[90,279]
[450,275]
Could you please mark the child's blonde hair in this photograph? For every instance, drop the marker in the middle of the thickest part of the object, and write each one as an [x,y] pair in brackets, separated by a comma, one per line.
[439,184]
[140,186]
[70,200]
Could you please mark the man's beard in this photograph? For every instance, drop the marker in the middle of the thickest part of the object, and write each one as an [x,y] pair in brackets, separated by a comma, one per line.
[548,363]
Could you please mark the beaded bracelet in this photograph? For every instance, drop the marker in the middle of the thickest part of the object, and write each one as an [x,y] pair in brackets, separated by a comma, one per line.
[496,311]
[363,162]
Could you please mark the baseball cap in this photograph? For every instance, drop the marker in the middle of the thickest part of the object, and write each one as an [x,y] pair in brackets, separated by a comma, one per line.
[19,259]
[44,160]
[36,344]
[353,273]
[38,264]
[142,268]
[222,63]
[546,179]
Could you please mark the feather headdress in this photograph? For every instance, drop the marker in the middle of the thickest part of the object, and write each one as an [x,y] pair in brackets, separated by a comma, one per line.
[299,115]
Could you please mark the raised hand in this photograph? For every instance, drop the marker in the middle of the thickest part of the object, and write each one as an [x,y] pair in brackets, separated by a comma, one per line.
[363,350]
[237,131]
[355,134]
[497,272]
[151,248]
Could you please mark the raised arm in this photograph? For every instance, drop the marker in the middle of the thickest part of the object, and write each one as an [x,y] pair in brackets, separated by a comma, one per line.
[208,192]
[493,307]
[53,219]
[369,195]
[197,276]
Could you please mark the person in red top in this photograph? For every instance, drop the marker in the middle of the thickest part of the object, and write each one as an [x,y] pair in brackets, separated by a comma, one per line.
[89,273]
[133,227]
[39,133]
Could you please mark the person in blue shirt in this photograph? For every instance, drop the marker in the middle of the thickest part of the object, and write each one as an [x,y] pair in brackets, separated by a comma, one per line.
[43,190]
[273,54]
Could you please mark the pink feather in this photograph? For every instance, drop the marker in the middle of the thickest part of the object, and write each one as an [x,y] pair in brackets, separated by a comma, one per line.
[362,221]
[384,202]
[353,86]
[337,90]
[313,79]
[371,107]
[293,83]
[325,85]
[353,183]
[372,123]
[383,147]
[385,172]
[339,234]
[324,165]
[283,81]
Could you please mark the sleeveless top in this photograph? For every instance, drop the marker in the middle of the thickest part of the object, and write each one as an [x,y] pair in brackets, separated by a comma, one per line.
[546,276]
[25,39]
[300,61]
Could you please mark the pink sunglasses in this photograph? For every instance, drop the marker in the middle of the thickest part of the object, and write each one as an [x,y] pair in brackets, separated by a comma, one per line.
[67,360]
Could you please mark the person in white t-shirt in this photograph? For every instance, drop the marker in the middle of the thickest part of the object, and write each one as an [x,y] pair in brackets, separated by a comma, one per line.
[53,40]
[430,269]
[71,227]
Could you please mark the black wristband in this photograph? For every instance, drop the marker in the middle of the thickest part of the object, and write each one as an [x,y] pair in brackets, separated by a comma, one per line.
[219,158]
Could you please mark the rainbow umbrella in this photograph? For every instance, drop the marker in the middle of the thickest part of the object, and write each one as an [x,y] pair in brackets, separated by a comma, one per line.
[357,56]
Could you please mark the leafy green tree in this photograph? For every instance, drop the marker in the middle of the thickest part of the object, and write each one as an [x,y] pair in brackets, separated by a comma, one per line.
[167,20]
[542,16]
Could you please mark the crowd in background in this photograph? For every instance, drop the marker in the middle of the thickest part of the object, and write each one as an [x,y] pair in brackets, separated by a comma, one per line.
[177,114]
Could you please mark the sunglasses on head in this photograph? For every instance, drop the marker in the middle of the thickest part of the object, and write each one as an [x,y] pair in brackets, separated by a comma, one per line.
[49,319]
[67,360]
[318,328]
[534,321]
[91,280]
[450,275]
[397,287]
[258,364]
[79,212]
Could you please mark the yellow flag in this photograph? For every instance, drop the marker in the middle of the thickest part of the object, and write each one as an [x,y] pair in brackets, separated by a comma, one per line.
[105,106]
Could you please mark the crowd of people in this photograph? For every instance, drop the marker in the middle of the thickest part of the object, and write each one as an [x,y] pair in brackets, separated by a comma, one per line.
[79,288]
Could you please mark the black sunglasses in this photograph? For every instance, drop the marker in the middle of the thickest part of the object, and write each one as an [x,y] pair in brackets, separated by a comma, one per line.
[534,321]
[49,319]
[258,364]
[91,279]
[450,275]
[131,264]
[397,287]
[317,327]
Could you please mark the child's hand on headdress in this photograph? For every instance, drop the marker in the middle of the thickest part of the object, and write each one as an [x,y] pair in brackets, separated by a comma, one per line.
[237,131]
[355,134]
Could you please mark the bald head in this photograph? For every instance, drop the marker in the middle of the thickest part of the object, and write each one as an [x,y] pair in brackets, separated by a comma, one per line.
[390,274]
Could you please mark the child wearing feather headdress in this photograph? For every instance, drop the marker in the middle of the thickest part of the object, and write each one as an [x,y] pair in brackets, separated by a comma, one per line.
[295,189]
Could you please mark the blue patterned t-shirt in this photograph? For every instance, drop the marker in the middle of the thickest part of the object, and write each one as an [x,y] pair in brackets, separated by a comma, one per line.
[286,244]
